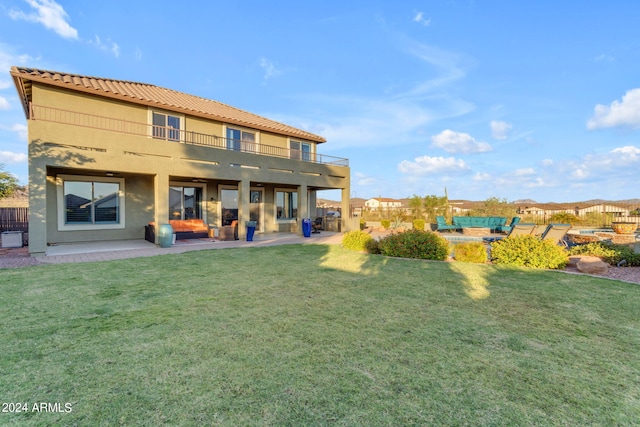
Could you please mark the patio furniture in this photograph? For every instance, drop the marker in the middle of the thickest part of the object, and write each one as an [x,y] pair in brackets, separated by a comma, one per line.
[519,229]
[229,232]
[556,233]
[491,222]
[507,228]
[317,225]
[442,224]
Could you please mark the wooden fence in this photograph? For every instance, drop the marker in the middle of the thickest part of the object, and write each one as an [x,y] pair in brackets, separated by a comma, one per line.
[14,219]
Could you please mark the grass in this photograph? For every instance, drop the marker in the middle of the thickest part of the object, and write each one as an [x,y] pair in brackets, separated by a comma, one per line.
[316,335]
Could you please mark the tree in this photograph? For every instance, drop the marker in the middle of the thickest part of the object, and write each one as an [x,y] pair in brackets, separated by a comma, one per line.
[494,206]
[435,206]
[415,203]
[8,183]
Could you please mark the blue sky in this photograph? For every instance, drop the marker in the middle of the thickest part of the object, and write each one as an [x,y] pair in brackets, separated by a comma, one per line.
[497,98]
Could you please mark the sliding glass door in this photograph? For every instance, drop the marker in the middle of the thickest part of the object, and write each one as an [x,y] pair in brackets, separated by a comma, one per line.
[185,202]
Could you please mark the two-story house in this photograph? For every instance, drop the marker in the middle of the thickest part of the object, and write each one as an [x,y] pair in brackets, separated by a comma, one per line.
[106,157]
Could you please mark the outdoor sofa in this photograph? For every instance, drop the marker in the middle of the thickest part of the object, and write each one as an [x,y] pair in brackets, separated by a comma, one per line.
[491,222]
[182,228]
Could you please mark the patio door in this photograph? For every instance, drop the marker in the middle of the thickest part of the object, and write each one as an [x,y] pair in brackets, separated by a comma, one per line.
[230,206]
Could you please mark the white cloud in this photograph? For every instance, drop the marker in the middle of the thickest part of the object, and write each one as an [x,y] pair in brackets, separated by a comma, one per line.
[482,176]
[9,157]
[50,14]
[458,142]
[420,19]
[4,104]
[21,130]
[364,179]
[270,70]
[499,130]
[430,165]
[108,46]
[525,172]
[625,113]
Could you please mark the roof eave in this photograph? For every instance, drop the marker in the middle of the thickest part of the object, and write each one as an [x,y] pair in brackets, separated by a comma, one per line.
[19,79]
[18,82]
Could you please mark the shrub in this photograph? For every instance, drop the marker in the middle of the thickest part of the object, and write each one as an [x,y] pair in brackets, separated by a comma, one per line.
[564,218]
[415,244]
[608,252]
[363,224]
[356,240]
[385,223]
[470,252]
[418,224]
[372,246]
[529,251]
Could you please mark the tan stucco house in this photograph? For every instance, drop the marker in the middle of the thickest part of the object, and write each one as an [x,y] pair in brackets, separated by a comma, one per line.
[107,157]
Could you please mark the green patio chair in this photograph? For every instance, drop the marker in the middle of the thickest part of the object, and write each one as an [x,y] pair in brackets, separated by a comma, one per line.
[441,222]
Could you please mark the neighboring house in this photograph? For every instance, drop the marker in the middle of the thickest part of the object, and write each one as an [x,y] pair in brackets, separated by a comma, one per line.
[382,202]
[106,157]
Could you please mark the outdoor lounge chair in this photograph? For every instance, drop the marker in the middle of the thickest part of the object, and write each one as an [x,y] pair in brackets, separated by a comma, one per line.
[316,226]
[518,229]
[556,233]
[442,224]
[507,228]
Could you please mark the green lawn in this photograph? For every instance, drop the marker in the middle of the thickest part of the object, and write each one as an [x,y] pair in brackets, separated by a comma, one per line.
[316,335]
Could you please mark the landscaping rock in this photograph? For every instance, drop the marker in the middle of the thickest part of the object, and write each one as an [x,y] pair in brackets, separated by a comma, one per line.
[592,265]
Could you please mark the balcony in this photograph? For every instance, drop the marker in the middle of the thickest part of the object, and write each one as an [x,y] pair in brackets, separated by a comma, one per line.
[74,118]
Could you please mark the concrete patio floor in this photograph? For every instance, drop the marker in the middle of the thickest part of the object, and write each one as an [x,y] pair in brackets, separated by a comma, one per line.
[122,249]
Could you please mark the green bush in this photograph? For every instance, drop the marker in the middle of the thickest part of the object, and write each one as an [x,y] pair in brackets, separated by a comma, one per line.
[418,224]
[415,244]
[609,253]
[372,246]
[356,240]
[363,224]
[564,218]
[529,251]
[385,223]
[470,252]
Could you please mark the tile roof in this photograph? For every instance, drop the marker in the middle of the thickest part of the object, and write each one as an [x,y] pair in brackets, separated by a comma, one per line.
[154,96]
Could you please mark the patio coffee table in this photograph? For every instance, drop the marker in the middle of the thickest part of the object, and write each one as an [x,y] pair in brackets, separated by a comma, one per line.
[476,231]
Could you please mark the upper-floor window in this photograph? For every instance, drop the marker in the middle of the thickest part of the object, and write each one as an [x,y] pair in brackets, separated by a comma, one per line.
[166,126]
[241,140]
[300,150]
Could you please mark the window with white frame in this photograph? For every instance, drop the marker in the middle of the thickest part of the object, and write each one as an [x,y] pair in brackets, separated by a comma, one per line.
[286,204]
[166,126]
[90,203]
[300,150]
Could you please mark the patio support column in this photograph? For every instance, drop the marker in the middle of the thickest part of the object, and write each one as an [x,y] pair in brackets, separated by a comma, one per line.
[244,207]
[345,217]
[38,235]
[303,205]
[161,201]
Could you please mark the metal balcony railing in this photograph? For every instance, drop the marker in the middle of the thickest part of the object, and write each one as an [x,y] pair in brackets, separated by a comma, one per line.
[75,118]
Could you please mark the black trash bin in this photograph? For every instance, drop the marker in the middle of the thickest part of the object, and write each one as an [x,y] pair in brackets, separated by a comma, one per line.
[306,227]
[251,229]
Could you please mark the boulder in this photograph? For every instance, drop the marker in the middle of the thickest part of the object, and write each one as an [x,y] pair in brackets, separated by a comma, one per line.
[592,265]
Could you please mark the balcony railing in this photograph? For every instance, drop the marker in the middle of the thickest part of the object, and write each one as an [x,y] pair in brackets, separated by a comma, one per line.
[75,118]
